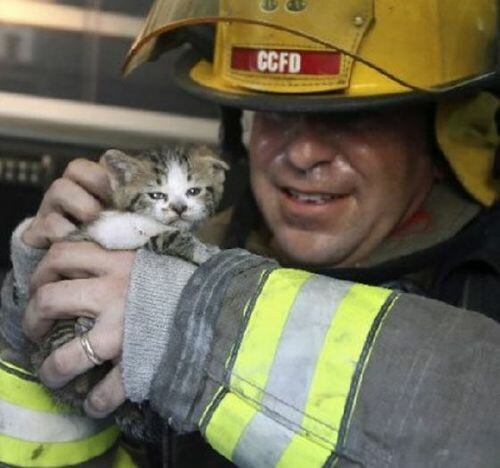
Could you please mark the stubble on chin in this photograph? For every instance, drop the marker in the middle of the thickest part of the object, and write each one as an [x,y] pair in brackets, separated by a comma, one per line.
[309,250]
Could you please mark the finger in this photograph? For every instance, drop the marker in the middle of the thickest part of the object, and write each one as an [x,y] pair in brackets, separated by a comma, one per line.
[62,300]
[56,227]
[71,359]
[91,176]
[67,197]
[64,364]
[35,327]
[48,229]
[106,396]
[70,260]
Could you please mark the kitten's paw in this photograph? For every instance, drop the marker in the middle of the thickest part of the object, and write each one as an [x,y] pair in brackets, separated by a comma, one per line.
[165,243]
[77,236]
[182,244]
[124,231]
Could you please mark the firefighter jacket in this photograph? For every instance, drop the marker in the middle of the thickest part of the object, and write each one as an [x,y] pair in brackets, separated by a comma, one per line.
[282,367]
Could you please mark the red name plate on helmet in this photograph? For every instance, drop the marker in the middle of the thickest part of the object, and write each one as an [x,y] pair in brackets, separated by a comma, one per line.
[293,62]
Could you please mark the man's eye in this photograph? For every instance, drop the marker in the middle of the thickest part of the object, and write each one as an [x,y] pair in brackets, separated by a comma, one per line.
[192,192]
[157,195]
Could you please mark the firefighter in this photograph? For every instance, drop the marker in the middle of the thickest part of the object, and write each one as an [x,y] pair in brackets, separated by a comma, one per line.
[372,175]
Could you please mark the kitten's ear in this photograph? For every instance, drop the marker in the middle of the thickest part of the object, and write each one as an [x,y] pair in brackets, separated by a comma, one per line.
[209,154]
[219,164]
[120,166]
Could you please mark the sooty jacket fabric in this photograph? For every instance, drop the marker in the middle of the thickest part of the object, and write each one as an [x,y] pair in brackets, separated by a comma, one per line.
[276,366]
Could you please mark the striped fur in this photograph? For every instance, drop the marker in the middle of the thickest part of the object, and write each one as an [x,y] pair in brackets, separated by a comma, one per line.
[159,182]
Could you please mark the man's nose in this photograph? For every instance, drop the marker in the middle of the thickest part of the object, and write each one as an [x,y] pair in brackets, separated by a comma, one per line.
[310,146]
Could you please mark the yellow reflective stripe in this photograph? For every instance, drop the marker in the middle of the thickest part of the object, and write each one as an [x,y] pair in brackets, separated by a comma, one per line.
[228,423]
[256,354]
[213,403]
[388,307]
[40,455]
[26,393]
[303,452]
[263,332]
[348,330]
[338,360]
[227,364]
[123,459]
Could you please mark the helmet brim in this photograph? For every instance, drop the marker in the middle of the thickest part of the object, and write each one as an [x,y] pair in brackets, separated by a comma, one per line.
[317,103]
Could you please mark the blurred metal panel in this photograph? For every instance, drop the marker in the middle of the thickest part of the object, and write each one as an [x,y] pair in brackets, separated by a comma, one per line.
[74,122]
[72,50]
[68,18]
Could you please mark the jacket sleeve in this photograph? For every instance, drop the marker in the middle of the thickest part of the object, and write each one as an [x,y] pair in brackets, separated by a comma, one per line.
[15,289]
[282,367]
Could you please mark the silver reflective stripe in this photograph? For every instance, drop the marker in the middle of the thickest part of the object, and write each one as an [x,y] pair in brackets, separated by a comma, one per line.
[33,426]
[293,369]
[255,451]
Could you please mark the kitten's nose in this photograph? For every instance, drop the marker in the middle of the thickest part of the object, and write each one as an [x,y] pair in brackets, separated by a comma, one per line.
[178,208]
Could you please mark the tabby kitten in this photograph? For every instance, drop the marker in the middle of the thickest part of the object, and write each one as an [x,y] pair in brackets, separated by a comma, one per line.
[158,197]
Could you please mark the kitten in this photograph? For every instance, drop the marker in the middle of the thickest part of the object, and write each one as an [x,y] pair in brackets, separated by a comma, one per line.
[158,198]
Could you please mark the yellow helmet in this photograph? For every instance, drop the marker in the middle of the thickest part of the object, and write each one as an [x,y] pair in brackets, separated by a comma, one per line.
[340,55]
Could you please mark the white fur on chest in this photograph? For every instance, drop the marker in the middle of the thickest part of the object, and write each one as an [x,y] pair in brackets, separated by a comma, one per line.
[116,230]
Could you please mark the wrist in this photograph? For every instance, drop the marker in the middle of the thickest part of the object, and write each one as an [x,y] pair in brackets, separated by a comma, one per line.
[24,256]
[156,284]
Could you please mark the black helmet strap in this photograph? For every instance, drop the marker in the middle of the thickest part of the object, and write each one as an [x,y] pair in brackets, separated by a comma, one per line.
[496,163]
[230,134]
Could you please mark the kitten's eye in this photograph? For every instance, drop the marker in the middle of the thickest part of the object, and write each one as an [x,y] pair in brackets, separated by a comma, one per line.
[157,195]
[192,192]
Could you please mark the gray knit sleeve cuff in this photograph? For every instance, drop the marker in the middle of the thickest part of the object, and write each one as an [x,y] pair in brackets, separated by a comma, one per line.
[156,284]
[15,289]
[11,316]
[24,258]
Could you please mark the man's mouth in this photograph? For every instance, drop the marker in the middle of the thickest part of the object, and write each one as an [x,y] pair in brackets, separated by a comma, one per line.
[312,198]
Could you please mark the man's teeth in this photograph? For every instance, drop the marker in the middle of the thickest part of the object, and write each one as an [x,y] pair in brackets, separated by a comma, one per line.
[311,198]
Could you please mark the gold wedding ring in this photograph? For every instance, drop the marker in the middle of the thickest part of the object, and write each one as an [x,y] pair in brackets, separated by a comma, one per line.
[89,351]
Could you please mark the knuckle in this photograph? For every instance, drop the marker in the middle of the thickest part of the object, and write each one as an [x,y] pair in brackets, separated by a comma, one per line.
[56,251]
[43,299]
[99,400]
[51,222]
[62,362]
[58,186]
[89,211]
[56,255]
[75,166]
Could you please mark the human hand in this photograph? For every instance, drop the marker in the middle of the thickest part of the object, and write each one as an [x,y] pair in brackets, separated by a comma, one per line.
[78,196]
[81,279]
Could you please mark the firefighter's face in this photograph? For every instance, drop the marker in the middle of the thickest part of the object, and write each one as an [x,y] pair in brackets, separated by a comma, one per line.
[331,188]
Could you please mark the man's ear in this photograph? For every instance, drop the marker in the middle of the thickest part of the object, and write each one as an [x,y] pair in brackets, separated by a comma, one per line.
[120,166]
[209,155]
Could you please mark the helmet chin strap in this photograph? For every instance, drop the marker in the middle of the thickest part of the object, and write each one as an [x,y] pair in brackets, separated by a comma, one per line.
[230,134]
[496,163]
